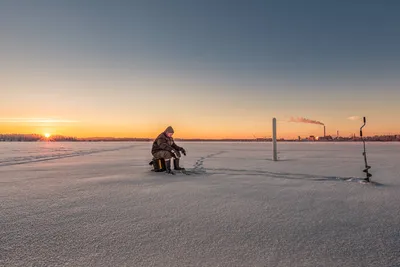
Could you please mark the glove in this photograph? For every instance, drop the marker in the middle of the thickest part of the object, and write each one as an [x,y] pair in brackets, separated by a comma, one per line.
[175,154]
[183,151]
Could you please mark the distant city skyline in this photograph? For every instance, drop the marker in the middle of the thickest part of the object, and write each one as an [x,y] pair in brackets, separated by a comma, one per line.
[210,69]
[59,138]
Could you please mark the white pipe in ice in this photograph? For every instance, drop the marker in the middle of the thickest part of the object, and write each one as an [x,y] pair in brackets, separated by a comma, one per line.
[275,153]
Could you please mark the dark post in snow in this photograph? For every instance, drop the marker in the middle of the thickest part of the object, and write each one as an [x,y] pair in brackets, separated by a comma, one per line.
[274,145]
[365,155]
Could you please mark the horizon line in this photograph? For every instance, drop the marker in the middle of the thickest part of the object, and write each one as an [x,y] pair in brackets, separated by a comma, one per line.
[198,139]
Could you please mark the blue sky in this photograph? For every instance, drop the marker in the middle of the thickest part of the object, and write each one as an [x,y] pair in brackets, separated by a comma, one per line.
[220,61]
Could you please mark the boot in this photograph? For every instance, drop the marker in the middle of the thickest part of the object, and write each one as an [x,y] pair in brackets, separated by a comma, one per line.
[168,167]
[176,165]
[158,165]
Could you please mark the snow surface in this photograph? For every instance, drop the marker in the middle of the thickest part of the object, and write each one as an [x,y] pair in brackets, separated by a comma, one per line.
[98,204]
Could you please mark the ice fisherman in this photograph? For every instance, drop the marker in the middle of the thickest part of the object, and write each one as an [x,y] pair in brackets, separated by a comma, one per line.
[165,148]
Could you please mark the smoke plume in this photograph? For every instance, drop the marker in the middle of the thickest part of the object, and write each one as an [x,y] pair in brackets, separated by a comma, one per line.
[304,120]
[354,118]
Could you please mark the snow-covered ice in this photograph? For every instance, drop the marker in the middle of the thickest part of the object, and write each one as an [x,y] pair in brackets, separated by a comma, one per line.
[98,204]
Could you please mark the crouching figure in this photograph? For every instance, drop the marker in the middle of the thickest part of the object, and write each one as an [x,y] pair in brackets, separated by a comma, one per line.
[164,150]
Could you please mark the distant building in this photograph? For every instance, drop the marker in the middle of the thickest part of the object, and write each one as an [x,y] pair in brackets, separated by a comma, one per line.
[325,138]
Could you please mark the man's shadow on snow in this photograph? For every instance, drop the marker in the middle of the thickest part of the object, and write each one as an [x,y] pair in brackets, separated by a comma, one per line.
[290,176]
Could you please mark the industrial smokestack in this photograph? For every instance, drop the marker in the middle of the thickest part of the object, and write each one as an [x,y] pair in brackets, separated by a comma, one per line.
[304,120]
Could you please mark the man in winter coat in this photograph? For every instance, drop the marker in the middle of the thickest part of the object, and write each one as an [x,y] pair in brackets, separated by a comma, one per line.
[165,148]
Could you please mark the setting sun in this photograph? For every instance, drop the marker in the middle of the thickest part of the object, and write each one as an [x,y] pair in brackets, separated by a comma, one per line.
[47,135]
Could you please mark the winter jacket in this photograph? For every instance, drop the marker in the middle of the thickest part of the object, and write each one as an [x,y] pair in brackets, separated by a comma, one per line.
[163,142]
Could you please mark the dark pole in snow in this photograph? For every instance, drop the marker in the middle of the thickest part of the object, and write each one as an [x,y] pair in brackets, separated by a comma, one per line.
[365,155]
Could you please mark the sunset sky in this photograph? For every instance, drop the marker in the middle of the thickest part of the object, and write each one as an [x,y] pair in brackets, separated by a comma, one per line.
[210,69]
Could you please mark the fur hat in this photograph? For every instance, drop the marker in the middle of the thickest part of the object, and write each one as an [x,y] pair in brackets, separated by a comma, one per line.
[169,130]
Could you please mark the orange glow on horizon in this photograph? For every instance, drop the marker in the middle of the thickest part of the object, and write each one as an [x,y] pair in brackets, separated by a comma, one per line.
[190,130]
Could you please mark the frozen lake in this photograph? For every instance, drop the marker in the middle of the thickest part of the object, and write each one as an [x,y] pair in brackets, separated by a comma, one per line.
[98,204]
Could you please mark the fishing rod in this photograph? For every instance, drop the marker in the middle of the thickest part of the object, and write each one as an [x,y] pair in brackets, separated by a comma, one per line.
[367,167]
